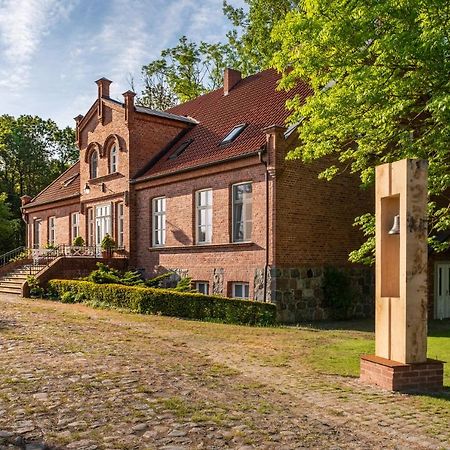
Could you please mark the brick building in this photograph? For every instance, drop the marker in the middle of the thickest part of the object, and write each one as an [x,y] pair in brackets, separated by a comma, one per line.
[204,189]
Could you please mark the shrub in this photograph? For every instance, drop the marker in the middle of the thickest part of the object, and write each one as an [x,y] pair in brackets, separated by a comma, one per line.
[167,302]
[107,275]
[157,281]
[338,295]
[184,285]
[68,297]
[36,291]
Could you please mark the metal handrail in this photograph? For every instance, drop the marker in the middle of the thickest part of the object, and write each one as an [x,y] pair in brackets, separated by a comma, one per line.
[44,256]
[8,256]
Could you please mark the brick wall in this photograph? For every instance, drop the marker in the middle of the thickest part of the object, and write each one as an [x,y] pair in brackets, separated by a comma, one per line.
[221,262]
[61,212]
[315,217]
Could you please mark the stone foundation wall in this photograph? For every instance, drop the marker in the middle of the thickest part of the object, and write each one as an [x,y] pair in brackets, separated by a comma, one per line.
[298,293]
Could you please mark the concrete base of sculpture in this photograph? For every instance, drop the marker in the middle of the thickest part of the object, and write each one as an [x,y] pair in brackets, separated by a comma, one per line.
[394,376]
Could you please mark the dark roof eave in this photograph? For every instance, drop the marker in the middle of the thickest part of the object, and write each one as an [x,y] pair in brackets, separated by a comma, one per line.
[32,205]
[199,166]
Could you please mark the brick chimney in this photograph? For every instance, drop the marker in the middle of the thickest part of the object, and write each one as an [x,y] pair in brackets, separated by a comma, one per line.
[103,87]
[78,119]
[25,199]
[129,104]
[230,78]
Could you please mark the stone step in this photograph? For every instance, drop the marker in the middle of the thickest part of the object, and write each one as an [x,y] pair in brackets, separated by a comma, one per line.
[13,278]
[7,290]
[27,271]
[12,283]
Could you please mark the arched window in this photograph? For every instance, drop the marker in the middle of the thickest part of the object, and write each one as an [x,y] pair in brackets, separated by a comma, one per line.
[113,159]
[94,164]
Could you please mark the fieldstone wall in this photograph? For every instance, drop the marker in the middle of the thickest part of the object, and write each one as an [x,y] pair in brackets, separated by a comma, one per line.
[297,292]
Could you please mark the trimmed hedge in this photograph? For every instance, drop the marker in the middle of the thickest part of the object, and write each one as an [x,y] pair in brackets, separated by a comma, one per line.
[167,302]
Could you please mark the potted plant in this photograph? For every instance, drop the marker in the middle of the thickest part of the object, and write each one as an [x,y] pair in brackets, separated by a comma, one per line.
[78,242]
[107,246]
[77,246]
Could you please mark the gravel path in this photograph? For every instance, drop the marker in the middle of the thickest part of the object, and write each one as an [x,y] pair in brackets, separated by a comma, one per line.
[76,378]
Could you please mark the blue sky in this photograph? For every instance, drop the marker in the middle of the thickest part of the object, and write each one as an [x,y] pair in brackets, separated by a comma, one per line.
[52,51]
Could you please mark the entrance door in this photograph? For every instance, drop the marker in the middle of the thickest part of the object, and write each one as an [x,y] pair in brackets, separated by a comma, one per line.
[102,223]
[442,307]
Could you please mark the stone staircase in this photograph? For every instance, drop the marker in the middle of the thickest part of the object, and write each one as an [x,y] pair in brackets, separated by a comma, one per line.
[11,282]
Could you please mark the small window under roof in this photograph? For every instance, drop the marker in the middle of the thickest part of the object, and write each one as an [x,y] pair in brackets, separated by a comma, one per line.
[66,182]
[234,133]
[183,146]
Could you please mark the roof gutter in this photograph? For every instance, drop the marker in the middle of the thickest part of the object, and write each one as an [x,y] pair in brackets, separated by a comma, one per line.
[200,166]
[31,205]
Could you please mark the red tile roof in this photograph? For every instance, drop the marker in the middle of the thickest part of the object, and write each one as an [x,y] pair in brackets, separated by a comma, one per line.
[253,100]
[67,185]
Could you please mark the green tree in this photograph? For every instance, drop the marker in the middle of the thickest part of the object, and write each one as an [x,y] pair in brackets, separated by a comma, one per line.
[33,152]
[9,227]
[184,72]
[380,73]
[190,69]
[252,26]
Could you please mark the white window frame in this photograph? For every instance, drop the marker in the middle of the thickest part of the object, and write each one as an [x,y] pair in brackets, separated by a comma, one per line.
[91,165]
[244,207]
[120,224]
[159,205]
[103,222]
[113,159]
[36,233]
[75,225]
[198,209]
[51,230]
[198,287]
[91,226]
[245,289]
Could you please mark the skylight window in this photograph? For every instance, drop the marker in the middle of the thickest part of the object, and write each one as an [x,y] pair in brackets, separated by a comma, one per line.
[234,133]
[291,129]
[183,146]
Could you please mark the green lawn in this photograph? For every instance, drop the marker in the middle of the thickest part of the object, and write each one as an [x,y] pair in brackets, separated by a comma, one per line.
[340,354]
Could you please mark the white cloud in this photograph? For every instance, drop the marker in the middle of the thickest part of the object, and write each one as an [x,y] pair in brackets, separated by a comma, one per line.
[23,24]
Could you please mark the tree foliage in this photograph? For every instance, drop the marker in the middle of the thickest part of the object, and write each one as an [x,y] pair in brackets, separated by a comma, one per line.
[184,72]
[33,152]
[190,69]
[9,227]
[382,91]
[252,27]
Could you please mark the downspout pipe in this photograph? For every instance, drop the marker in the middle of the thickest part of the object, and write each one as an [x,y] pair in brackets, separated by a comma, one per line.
[266,182]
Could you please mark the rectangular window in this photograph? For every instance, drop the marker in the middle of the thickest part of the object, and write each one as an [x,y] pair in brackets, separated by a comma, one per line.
[51,230]
[242,212]
[36,233]
[120,225]
[75,225]
[204,216]
[240,290]
[202,287]
[90,226]
[159,221]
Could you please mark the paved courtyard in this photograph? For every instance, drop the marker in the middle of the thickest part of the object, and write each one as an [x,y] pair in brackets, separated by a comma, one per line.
[78,378]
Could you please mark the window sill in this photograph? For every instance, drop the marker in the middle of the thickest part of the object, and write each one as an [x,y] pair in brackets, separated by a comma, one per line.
[110,176]
[204,247]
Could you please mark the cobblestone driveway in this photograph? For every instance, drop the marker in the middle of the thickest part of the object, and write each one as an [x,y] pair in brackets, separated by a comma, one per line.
[77,378]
